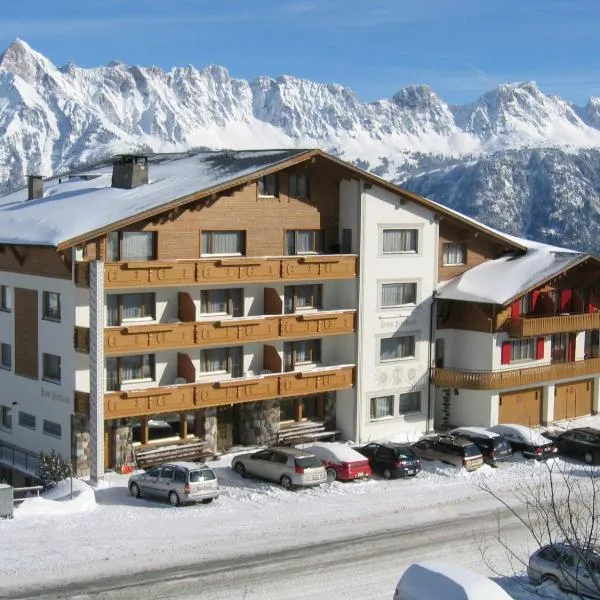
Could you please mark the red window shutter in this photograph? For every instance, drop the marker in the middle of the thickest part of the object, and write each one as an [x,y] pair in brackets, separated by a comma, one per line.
[565,300]
[539,348]
[592,307]
[534,299]
[505,353]
[571,348]
[515,309]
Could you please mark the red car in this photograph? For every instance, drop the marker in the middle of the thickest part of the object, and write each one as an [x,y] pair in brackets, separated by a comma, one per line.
[340,460]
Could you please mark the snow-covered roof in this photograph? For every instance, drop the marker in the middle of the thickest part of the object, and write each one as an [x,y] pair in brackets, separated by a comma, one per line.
[72,206]
[499,281]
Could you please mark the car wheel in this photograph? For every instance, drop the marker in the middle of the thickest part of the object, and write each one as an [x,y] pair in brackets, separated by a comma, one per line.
[174,499]
[588,458]
[331,475]
[134,489]
[207,500]
[547,577]
[387,474]
[240,469]
[286,482]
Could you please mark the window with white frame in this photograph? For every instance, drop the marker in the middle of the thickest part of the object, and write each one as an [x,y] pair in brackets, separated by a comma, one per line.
[398,294]
[400,241]
[5,298]
[53,429]
[51,306]
[522,349]
[409,402]
[299,185]
[395,348]
[123,369]
[268,186]
[130,307]
[131,245]
[26,420]
[302,297]
[227,302]
[304,241]
[6,417]
[51,368]
[382,407]
[5,356]
[223,242]
[225,360]
[454,253]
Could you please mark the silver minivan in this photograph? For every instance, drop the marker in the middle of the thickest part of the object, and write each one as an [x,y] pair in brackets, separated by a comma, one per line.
[288,466]
[178,482]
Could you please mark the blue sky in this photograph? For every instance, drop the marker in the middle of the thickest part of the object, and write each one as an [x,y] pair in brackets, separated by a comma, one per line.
[459,47]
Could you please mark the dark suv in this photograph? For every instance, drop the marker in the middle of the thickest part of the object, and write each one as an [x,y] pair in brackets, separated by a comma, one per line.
[450,449]
[494,446]
[391,460]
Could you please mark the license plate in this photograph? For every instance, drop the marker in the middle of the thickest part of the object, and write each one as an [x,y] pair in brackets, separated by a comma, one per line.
[360,474]
[315,477]
[411,471]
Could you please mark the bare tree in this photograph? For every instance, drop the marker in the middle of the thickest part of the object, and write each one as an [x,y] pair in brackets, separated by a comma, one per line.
[558,505]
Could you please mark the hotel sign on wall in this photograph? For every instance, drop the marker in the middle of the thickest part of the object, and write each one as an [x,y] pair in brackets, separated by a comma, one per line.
[52,395]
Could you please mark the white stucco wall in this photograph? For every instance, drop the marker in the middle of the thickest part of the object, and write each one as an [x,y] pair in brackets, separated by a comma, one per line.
[45,400]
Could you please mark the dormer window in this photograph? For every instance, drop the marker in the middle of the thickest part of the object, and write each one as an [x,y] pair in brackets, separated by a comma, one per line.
[268,186]
[454,254]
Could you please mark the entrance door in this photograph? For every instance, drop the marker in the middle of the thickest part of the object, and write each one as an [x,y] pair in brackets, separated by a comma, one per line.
[523,407]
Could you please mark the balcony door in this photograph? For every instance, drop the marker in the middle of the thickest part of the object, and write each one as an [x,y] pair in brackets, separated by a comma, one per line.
[592,343]
[563,347]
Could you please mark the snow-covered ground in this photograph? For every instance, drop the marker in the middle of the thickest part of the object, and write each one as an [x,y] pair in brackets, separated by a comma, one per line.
[103,531]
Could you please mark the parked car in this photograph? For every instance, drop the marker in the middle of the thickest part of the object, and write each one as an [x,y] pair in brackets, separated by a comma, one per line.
[437,580]
[562,564]
[391,459]
[340,461]
[178,482]
[529,441]
[450,449]
[288,466]
[494,446]
[580,442]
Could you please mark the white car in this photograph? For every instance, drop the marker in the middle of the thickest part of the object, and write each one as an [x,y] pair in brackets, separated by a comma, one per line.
[529,441]
[437,580]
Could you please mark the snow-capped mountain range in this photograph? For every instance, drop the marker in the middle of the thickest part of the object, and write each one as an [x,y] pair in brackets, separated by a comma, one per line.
[516,158]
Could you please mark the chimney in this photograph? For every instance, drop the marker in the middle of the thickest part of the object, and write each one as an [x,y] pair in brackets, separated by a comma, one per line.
[129,171]
[35,187]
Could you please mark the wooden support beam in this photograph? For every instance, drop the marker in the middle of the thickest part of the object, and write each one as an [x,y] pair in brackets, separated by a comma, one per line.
[198,424]
[183,429]
[298,410]
[144,435]
[321,407]
[20,259]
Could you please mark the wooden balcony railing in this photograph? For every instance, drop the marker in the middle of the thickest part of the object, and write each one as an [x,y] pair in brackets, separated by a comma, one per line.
[497,380]
[546,325]
[208,271]
[194,396]
[165,336]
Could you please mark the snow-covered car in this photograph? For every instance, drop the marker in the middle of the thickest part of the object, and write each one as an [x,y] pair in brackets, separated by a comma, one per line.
[529,441]
[340,461]
[434,580]
[494,446]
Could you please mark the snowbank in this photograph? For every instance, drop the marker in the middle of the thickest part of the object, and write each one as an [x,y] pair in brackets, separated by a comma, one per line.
[58,501]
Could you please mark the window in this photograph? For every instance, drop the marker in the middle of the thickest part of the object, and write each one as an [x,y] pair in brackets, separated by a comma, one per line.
[522,349]
[131,245]
[299,185]
[5,356]
[223,242]
[129,368]
[26,420]
[126,307]
[229,302]
[455,254]
[53,429]
[395,348]
[5,298]
[304,352]
[410,403]
[305,241]
[397,294]
[302,297]
[268,186]
[222,360]
[382,407]
[51,368]
[6,417]
[51,301]
[525,304]
[400,241]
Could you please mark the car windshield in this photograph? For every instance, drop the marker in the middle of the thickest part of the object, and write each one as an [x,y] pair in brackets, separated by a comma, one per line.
[471,450]
[309,462]
[405,453]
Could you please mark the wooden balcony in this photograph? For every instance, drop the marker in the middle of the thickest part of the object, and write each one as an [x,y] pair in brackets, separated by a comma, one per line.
[209,271]
[81,404]
[498,380]
[546,325]
[195,396]
[226,332]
